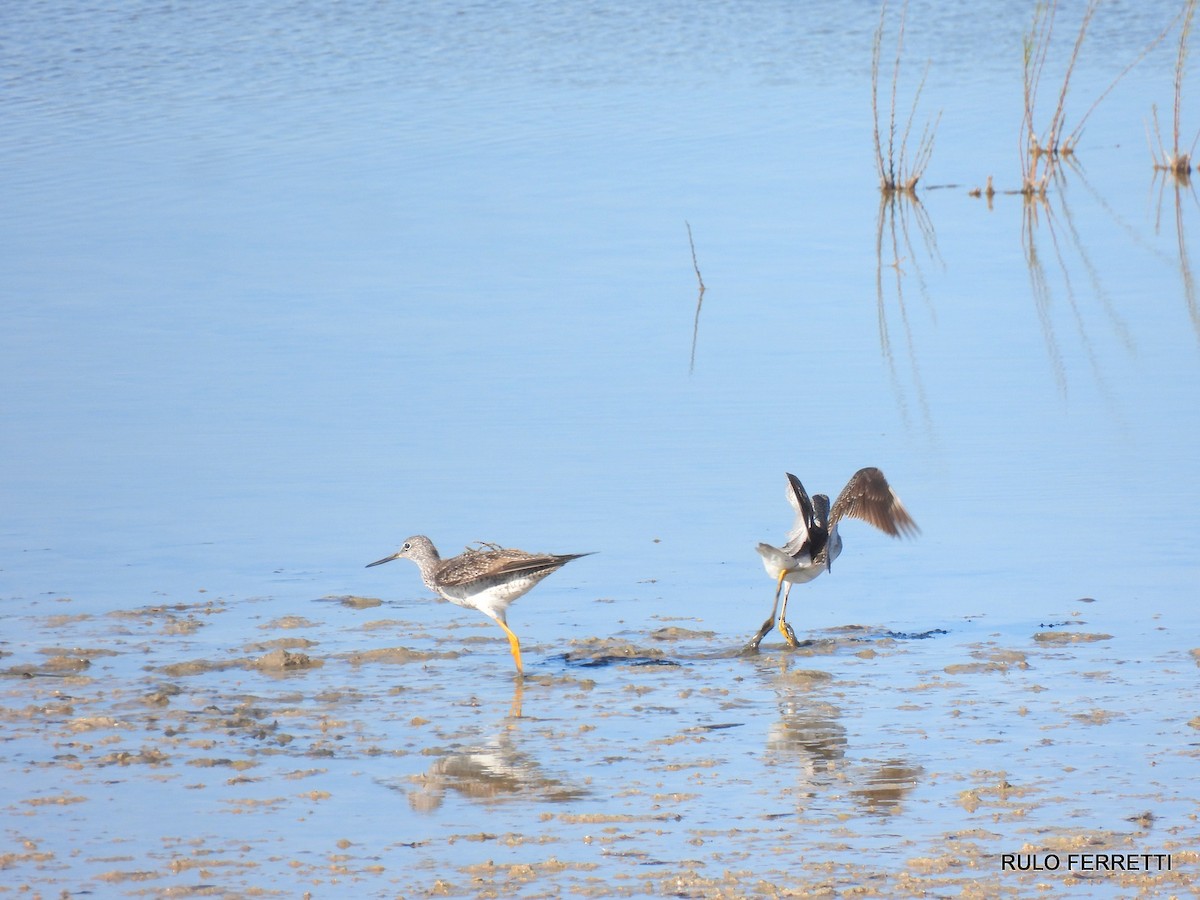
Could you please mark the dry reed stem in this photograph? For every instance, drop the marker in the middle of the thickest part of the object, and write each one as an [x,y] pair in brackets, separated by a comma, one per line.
[1035,46]
[898,174]
[1180,63]
[1177,162]
[1052,146]
[1073,138]
[1049,147]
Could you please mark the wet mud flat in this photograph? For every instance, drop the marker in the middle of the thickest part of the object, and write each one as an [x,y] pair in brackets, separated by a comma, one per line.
[228,747]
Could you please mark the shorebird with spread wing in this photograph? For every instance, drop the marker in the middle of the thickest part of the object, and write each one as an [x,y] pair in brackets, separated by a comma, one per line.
[813,542]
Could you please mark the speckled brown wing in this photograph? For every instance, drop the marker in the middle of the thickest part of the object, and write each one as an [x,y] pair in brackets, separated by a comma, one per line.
[869,497]
[474,565]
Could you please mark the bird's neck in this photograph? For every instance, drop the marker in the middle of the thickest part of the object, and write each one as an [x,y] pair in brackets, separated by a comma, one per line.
[428,562]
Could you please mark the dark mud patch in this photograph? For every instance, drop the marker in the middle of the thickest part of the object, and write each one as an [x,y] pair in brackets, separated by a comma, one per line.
[602,660]
[1069,637]
[397,656]
[989,660]
[916,635]
[864,640]
[602,652]
[675,633]
[54,667]
[171,619]
[285,661]
[276,662]
[351,601]
[296,643]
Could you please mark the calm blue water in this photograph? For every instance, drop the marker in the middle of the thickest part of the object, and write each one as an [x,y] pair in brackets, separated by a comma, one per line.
[284,285]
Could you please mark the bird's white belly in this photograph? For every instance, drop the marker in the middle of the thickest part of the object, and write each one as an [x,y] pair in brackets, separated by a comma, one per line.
[796,569]
[802,575]
[491,599]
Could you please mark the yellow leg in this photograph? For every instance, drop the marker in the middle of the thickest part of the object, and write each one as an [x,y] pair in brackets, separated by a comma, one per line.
[752,647]
[784,628]
[513,644]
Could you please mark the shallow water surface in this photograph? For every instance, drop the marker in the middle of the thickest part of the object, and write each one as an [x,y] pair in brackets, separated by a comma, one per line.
[285,285]
[349,748]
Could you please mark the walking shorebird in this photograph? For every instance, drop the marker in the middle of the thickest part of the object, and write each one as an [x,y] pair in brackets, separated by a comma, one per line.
[488,579]
[814,543]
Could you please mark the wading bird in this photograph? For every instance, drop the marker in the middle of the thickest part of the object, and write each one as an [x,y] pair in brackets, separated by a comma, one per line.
[488,579]
[814,543]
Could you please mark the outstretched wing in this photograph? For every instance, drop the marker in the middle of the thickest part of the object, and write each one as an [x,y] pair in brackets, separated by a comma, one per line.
[869,497]
[800,534]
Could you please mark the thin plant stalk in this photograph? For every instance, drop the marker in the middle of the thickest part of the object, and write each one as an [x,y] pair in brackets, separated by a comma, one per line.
[897,171]
[1040,154]
[1048,147]
[699,300]
[1177,161]
[1073,138]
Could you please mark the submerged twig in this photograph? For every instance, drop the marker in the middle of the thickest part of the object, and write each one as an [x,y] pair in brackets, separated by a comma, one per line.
[695,265]
[699,299]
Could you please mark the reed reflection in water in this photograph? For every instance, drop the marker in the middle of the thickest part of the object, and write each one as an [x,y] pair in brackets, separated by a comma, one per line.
[1181,184]
[900,214]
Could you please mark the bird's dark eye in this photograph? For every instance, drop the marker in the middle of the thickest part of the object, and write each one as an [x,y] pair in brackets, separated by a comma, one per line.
[407,546]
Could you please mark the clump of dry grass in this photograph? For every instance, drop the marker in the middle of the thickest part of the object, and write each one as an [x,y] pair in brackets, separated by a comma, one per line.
[1041,153]
[1176,161]
[898,173]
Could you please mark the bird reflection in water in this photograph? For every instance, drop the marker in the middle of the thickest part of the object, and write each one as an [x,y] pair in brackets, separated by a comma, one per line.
[492,771]
[810,740]
[885,784]
[813,740]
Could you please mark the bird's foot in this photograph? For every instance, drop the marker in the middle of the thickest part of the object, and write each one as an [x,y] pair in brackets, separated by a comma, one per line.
[788,634]
[751,648]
